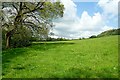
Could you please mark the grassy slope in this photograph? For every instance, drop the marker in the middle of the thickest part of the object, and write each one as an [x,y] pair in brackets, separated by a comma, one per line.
[110,32]
[80,58]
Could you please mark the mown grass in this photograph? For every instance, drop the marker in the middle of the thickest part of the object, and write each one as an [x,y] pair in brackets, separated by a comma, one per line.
[91,58]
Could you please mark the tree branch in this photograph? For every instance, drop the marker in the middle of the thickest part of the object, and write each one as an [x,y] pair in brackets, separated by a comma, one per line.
[40,7]
[15,7]
[32,15]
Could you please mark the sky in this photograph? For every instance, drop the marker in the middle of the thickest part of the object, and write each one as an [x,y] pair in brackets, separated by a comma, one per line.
[84,18]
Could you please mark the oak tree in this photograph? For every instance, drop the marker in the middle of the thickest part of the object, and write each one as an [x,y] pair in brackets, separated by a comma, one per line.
[35,17]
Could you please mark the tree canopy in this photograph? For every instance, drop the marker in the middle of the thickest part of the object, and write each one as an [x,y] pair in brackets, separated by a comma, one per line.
[33,18]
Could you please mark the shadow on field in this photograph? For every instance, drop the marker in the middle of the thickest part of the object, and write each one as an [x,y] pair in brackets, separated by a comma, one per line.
[85,73]
[14,52]
[9,54]
[46,46]
[51,43]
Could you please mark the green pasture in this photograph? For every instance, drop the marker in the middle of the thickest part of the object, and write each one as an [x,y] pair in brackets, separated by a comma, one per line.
[89,58]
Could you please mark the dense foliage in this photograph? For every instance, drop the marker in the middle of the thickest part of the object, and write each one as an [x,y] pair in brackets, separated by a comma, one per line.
[57,39]
[22,21]
[93,36]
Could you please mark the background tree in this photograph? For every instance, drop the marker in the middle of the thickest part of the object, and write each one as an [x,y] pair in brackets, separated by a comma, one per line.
[34,17]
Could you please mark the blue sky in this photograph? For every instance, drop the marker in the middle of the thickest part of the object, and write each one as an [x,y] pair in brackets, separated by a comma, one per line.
[84,19]
[90,7]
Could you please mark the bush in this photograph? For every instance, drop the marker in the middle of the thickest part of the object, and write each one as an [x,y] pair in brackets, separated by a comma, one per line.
[23,38]
[80,38]
[3,39]
[93,36]
[20,39]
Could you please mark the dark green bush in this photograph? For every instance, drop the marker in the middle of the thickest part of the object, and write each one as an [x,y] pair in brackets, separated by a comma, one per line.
[3,39]
[21,38]
[93,36]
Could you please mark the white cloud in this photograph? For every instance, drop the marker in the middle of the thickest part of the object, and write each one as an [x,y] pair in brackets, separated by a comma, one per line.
[73,26]
[70,10]
[110,7]
[87,22]
[107,28]
[82,27]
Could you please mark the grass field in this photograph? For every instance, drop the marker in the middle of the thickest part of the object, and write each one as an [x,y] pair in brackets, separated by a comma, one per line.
[90,58]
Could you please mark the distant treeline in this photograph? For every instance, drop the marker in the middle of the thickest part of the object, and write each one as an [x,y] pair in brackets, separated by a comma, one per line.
[107,33]
[110,32]
[26,40]
[50,39]
[57,39]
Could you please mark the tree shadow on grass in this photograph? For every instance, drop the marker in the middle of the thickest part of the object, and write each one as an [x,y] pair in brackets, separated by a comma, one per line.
[47,46]
[14,52]
[10,54]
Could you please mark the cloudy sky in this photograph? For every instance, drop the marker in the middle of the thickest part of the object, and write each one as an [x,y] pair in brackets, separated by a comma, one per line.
[83,18]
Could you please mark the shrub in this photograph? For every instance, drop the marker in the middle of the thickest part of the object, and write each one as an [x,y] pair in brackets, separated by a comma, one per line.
[93,36]
[3,39]
[22,38]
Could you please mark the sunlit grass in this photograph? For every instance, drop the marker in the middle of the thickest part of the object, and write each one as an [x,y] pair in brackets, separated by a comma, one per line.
[90,58]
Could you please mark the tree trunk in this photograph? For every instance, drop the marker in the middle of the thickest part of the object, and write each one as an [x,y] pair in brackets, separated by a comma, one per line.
[8,36]
[8,42]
